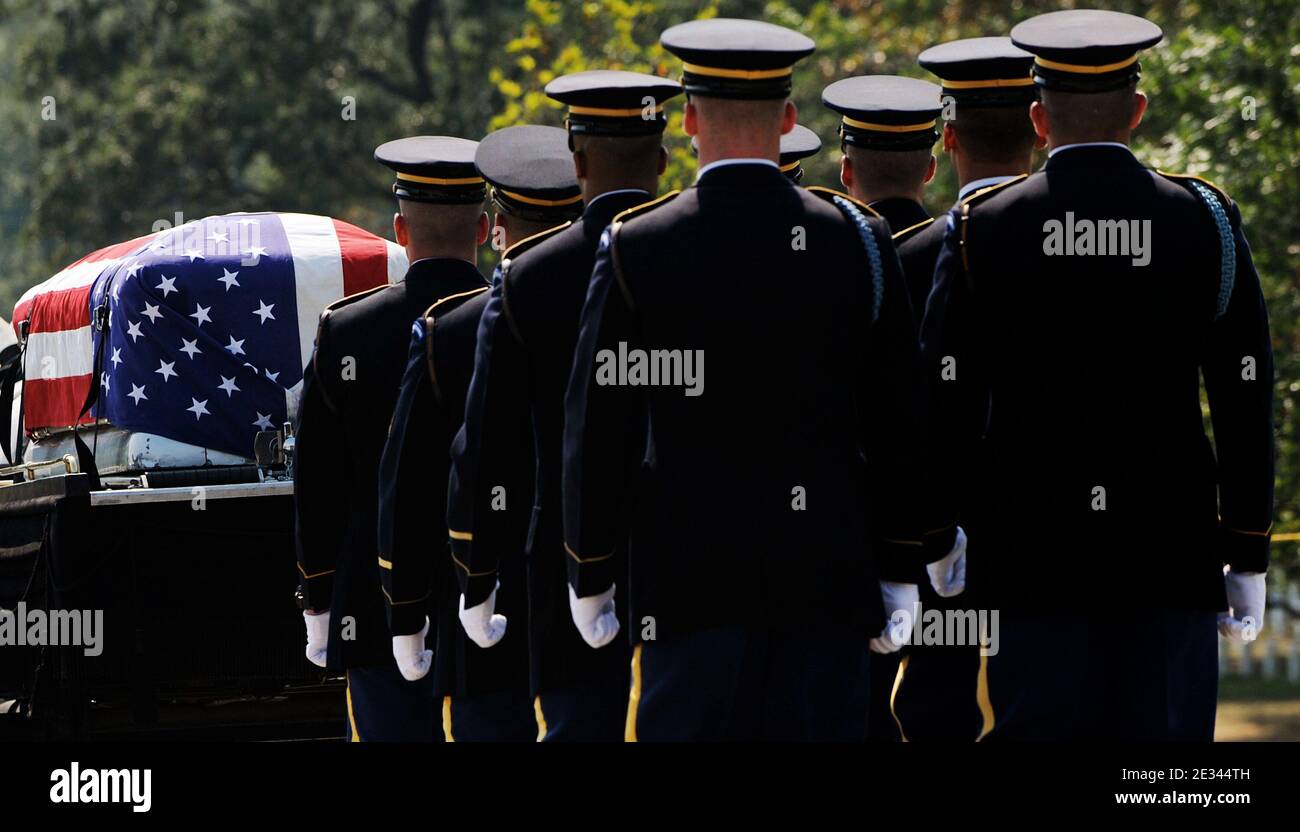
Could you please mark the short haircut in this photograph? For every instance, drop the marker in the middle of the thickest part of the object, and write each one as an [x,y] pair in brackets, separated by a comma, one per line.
[1088,116]
[995,134]
[620,157]
[434,225]
[741,115]
[889,171]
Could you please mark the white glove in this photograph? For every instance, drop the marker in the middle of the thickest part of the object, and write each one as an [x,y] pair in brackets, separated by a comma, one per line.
[318,636]
[594,616]
[948,574]
[1245,616]
[900,601]
[482,623]
[412,659]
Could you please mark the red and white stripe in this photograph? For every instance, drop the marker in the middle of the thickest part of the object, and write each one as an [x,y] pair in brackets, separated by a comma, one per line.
[331,259]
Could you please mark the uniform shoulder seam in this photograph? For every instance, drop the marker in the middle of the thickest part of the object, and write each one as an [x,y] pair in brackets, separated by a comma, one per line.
[922,224]
[528,242]
[829,194]
[984,192]
[352,298]
[1193,177]
[636,210]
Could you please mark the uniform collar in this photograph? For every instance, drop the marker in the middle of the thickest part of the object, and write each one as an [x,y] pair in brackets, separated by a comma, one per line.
[606,206]
[1057,150]
[448,271]
[739,173]
[1091,155]
[900,212]
[974,185]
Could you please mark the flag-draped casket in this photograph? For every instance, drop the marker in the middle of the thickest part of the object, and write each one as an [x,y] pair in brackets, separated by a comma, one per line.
[207,326]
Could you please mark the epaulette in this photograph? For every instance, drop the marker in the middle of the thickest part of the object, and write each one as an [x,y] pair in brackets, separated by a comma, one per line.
[429,319]
[983,192]
[968,203]
[1187,178]
[1214,199]
[638,210]
[829,195]
[912,229]
[528,242]
[320,327]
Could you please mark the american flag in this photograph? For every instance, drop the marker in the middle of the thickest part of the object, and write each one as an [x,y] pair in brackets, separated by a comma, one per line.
[210,324]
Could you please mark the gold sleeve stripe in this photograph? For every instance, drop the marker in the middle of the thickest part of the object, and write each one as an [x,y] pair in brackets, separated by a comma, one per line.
[1252,534]
[385,564]
[596,559]
[470,574]
[455,535]
[303,572]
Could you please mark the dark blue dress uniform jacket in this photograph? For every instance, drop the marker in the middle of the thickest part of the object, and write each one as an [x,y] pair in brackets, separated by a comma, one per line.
[515,413]
[1077,386]
[780,495]
[349,392]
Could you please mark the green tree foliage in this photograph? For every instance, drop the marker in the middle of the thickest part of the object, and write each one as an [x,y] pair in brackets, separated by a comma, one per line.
[204,106]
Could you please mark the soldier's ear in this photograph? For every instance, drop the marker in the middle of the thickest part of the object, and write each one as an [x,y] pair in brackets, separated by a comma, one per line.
[580,164]
[950,143]
[481,235]
[929,172]
[690,119]
[663,159]
[846,172]
[400,232]
[789,118]
[1038,115]
[1139,109]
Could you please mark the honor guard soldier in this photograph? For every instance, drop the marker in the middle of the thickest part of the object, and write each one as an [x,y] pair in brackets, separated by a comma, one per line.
[348,398]
[754,579]
[484,694]
[990,141]
[887,135]
[797,145]
[1073,314]
[515,411]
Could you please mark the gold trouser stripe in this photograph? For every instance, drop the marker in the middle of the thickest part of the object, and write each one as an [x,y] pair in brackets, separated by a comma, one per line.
[982,697]
[546,202]
[742,74]
[352,717]
[611,112]
[446,720]
[433,180]
[893,695]
[596,559]
[889,128]
[1027,81]
[1084,68]
[455,535]
[541,718]
[634,697]
[790,167]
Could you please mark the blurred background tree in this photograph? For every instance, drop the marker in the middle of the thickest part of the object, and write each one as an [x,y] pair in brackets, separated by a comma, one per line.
[203,107]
